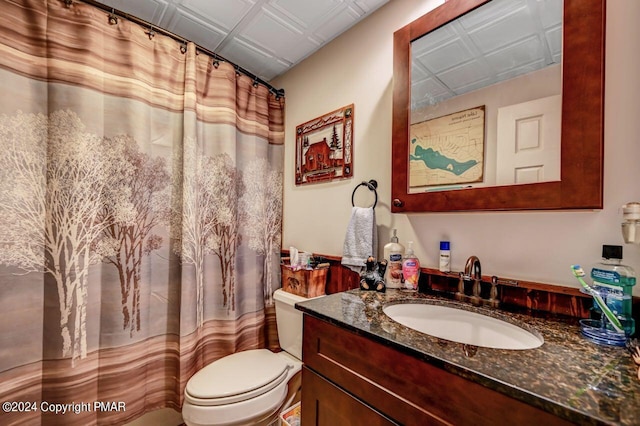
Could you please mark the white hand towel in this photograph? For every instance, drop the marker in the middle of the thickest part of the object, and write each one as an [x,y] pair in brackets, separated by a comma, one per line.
[361,240]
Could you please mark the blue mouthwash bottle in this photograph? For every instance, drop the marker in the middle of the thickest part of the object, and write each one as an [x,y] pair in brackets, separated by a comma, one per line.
[614,281]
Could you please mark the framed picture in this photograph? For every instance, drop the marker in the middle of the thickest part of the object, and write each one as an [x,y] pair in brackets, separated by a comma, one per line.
[447,150]
[324,147]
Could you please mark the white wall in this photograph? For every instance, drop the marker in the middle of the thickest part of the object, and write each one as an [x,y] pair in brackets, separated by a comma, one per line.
[537,246]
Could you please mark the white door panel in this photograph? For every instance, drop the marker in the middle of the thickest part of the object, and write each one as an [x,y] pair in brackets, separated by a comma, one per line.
[528,145]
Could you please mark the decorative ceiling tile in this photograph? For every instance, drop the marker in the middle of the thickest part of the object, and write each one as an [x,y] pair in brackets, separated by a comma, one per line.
[224,14]
[305,14]
[501,32]
[194,28]
[445,56]
[151,11]
[342,20]
[283,39]
[252,58]
[499,40]
[265,37]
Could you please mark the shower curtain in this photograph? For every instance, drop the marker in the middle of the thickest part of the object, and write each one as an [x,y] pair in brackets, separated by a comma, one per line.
[140,214]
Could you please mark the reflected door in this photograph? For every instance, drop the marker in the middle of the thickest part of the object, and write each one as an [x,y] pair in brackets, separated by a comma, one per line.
[528,142]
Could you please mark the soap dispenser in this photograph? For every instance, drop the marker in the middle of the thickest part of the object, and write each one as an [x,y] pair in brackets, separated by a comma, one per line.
[410,269]
[393,252]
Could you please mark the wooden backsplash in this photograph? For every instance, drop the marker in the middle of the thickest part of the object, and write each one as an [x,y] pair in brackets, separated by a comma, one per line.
[529,295]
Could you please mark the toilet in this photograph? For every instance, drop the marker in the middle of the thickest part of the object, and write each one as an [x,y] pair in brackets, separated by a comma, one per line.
[250,387]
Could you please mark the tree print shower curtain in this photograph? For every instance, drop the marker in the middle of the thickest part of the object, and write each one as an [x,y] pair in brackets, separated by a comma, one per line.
[140,214]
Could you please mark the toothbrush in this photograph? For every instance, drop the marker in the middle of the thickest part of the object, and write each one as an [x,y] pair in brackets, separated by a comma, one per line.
[615,322]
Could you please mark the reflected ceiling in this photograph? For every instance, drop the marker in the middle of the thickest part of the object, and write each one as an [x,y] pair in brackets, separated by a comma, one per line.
[498,41]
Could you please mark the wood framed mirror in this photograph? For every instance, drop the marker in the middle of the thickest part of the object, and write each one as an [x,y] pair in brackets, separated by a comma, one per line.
[582,123]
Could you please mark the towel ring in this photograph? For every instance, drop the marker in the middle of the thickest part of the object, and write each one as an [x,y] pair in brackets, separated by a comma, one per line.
[372,185]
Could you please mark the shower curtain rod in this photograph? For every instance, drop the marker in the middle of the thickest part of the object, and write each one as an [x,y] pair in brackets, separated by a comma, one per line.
[155,29]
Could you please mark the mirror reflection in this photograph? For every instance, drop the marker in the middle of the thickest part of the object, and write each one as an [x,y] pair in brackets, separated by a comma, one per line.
[486,95]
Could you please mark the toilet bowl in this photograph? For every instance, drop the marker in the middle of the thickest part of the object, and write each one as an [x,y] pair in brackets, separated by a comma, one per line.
[249,387]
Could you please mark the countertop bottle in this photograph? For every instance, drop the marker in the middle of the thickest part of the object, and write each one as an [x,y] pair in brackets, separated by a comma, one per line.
[614,281]
[410,268]
[393,252]
[445,256]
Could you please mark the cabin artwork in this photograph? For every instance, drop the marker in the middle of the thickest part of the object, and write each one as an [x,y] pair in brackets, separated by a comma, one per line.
[324,147]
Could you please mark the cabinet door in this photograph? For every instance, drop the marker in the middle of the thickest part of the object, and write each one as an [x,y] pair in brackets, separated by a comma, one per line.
[400,387]
[325,404]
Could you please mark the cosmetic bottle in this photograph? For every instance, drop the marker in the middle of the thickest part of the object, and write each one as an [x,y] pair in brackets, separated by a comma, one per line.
[445,256]
[393,252]
[410,268]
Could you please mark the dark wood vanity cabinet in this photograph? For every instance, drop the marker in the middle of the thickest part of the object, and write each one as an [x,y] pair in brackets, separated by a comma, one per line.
[349,379]
[328,405]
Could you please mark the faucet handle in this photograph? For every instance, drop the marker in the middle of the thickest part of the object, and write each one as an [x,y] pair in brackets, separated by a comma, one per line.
[494,301]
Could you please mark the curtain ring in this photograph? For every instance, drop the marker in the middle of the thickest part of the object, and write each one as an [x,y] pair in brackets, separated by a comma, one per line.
[113,18]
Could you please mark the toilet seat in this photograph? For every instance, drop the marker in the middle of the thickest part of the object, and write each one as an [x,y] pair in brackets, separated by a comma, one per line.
[237,377]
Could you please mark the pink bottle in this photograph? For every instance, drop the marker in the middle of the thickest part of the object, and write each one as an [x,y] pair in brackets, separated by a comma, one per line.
[410,269]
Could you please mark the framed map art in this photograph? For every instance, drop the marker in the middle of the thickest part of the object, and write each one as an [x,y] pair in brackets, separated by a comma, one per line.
[447,150]
[324,147]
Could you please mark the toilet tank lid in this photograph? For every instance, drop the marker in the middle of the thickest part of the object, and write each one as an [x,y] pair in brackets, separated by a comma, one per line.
[283,296]
[237,374]
[290,298]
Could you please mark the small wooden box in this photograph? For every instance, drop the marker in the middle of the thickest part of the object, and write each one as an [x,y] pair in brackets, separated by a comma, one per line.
[304,282]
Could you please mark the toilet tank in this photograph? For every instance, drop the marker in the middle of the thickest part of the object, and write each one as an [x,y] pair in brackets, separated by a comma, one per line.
[289,321]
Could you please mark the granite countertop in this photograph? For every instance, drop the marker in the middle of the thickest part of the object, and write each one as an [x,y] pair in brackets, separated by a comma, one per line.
[569,376]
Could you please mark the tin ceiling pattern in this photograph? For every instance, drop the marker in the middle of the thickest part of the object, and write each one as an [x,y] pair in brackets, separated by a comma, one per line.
[265,37]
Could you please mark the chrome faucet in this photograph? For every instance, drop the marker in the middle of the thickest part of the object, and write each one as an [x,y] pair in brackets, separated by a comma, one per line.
[473,271]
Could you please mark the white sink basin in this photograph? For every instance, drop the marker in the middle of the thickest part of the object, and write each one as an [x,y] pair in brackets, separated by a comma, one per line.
[462,326]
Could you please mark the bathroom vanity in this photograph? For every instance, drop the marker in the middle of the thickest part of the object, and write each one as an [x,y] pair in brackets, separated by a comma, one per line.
[361,367]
